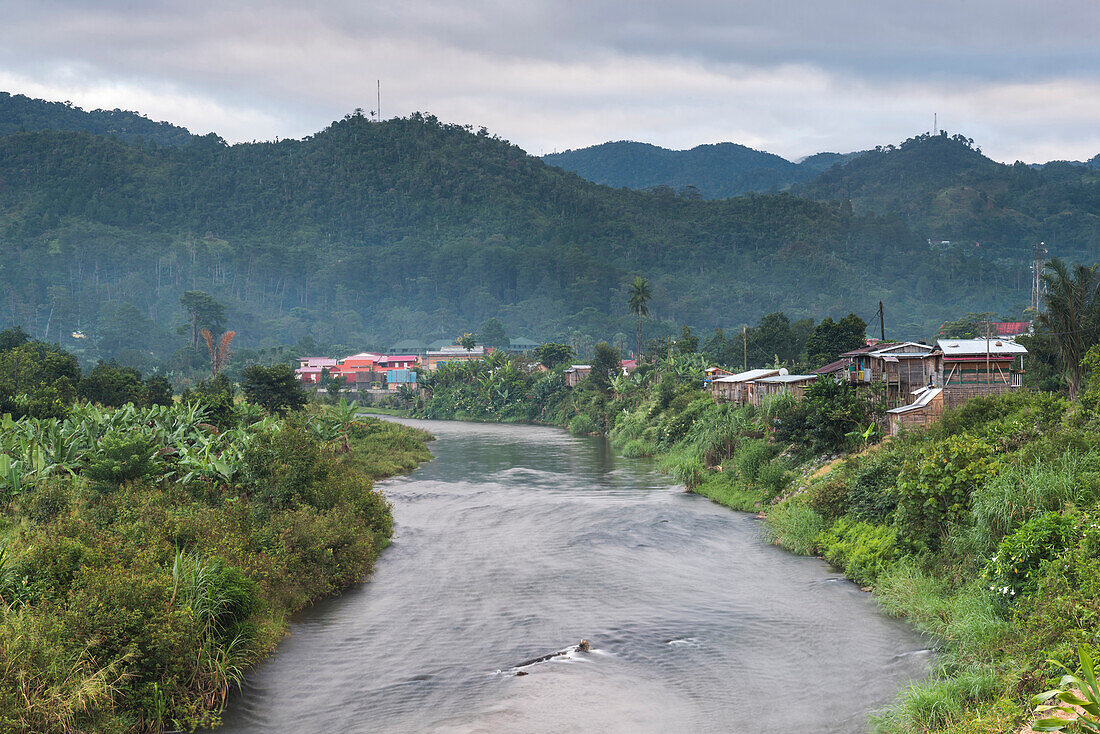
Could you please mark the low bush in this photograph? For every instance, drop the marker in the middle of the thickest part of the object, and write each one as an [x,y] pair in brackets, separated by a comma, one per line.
[872,493]
[582,425]
[863,551]
[1018,564]
[795,527]
[934,491]
[752,455]
[773,479]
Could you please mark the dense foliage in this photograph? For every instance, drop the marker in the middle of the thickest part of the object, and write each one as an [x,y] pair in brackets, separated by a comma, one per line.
[149,557]
[367,233]
[716,171]
[19,113]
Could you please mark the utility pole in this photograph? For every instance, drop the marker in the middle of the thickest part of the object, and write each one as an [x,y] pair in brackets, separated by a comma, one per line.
[745,345]
[378,101]
[1038,256]
[881,322]
[989,328]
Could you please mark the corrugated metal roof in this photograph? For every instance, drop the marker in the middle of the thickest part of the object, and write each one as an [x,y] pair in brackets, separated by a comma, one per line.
[977,347]
[832,367]
[784,379]
[746,376]
[925,395]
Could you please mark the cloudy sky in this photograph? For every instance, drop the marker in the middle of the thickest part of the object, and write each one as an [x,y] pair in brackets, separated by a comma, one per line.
[790,76]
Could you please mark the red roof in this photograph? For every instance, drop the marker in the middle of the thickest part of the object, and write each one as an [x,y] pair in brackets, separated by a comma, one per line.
[830,368]
[1012,328]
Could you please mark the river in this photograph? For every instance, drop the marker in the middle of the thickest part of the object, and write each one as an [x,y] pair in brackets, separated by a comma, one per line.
[516,542]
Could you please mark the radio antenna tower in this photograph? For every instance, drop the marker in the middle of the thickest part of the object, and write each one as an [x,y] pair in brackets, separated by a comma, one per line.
[378,102]
[1038,261]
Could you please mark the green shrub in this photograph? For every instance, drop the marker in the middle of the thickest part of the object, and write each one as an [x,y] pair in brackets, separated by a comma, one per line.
[871,488]
[285,468]
[1018,492]
[934,491]
[828,495]
[935,704]
[723,488]
[773,479]
[1017,566]
[685,467]
[863,551]
[121,458]
[636,448]
[795,527]
[582,425]
[751,456]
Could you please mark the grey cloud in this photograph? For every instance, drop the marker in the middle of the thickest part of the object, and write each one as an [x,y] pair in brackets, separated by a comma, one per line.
[794,77]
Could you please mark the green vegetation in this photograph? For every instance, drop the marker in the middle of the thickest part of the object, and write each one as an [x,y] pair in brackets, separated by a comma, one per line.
[149,555]
[452,228]
[711,171]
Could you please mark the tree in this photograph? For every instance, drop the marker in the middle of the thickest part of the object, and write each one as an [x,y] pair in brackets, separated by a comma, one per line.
[203,312]
[466,341]
[970,326]
[551,354]
[688,343]
[606,366]
[219,352]
[158,391]
[109,383]
[276,389]
[637,301]
[831,338]
[13,337]
[1071,315]
[492,334]
[773,338]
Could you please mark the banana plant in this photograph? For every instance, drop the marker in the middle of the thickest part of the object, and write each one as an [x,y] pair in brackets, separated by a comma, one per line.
[1088,701]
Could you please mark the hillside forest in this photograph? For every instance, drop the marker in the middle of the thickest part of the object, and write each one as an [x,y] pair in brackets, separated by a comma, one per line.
[367,233]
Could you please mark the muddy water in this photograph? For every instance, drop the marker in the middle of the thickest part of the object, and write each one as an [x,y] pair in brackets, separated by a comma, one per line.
[517,542]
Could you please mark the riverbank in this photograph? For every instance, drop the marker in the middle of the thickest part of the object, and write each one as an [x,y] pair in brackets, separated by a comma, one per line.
[152,558]
[980,530]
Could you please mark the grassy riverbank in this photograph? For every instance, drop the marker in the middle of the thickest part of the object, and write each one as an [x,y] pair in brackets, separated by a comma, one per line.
[149,558]
[983,531]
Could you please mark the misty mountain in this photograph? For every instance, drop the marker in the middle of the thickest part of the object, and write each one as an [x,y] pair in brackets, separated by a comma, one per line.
[366,233]
[19,113]
[944,187]
[713,171]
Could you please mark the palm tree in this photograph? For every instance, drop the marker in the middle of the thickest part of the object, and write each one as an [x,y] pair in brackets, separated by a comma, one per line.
[637,301]
[1071,315]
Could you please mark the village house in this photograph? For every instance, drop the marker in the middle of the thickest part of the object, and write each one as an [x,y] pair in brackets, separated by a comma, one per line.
[738,388]
[964,369]
[409,346]
[971,367]
[927,408]
[522,345]
[310,369]
[577,372]
[901,366]
[452,353]
[782,383]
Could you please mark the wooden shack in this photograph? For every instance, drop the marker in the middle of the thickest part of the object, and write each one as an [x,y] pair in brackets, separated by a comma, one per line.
[737,388]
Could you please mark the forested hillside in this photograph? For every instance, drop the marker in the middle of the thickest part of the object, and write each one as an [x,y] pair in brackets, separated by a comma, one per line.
[713,171]
[371,232]
[19,113]
[716,171]
[945,187]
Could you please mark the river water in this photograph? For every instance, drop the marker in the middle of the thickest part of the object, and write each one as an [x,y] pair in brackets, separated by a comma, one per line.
[516,542]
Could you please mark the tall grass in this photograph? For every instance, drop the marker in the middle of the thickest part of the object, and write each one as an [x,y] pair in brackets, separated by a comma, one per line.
[723,488]
[941,702]
[794,527]
[1018,493]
